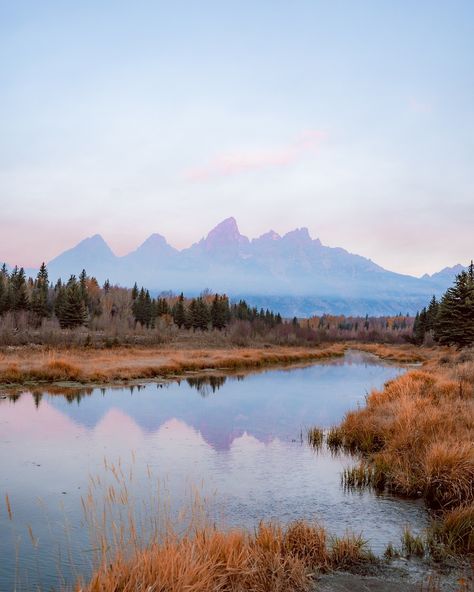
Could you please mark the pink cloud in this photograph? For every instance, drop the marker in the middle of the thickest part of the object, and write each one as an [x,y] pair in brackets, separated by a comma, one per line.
[239,162]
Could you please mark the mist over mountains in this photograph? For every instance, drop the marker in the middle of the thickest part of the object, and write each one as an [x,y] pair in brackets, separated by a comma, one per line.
[293,274]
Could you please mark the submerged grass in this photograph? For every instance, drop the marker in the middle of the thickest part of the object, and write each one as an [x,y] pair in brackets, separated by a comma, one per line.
[416,438]
[153,551]
[315,437]
[412,545]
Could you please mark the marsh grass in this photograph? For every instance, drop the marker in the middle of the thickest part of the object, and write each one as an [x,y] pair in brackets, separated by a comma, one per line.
[412,545]
[453,532]
[416,438]
[335,439]
[315,437]
[146,546]
[125,364]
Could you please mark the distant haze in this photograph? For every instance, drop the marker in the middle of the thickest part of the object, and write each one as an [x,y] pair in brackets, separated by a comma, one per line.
[353,119]
[293,274]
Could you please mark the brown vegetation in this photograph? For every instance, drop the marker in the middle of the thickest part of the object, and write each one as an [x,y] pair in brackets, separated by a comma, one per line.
[271,559]
[24,365]
[164,552]
[417,438]
[402,354]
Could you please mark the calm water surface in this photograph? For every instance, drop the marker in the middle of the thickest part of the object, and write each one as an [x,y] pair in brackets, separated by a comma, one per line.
[237,439]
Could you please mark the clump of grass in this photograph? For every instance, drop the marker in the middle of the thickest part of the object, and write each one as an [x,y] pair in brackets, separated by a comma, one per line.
[307,542]
[335,439]
[417,434]
[349,551]
[357,477]
[412,545]
[59,370]
[274,558]
[315,437]
[363,476]
[453,532]
[157,552]
[449,469]
[391,552]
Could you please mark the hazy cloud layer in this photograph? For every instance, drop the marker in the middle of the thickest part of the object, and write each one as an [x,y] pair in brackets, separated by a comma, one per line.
[126,120]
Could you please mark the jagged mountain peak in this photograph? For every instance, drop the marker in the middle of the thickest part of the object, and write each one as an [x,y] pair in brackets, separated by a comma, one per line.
[154,246]
[225,234]
[290,266]
[155,241]
[91,244]
[95,240]
[227,228]
[298,235]
[270,236]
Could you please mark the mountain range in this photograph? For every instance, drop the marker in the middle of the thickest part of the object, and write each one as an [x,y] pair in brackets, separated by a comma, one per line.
[293,274]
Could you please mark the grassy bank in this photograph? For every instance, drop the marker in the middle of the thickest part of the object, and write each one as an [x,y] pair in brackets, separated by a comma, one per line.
[27,365]
[184,550]
[417,439]
[270,559]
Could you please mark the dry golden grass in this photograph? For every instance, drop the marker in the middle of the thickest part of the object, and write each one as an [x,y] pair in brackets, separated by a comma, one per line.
[163,552]
[403,354]
[123,364]
[270,560]
[417,437]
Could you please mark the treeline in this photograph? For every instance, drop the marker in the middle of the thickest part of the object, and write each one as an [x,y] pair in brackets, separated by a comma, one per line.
[208,311]
[82,312]
[449,321]
[80,301]
[386,329]
[73,303]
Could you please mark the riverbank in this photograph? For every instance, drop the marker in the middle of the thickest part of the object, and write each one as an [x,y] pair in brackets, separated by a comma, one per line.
[27,366]
[43,365]
[416,438]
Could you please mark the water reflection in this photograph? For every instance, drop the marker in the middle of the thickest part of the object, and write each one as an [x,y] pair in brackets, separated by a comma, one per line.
[239,439]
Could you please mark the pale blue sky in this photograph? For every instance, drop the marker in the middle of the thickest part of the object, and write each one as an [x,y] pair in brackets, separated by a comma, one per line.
[355,119]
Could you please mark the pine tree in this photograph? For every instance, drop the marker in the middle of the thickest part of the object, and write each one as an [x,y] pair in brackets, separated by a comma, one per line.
[59,297]
[179,313]
[162,307]
[419,327]
[39,297]
[4,290]
[219,311]
[83,287]
[455,319]
[147,309]
[138,306]
[19,292]
[72,312]
[200,314]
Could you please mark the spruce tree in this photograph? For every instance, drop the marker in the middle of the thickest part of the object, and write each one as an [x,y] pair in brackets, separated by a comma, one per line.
[419,327]
[18,288]
[200,314]
[219,311]
[72,311]
[162,307]
[39,297]
[455,318]
[179,313]
[3,290]
[83,287]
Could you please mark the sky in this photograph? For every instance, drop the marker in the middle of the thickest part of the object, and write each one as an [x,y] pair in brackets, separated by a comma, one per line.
[354,119]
